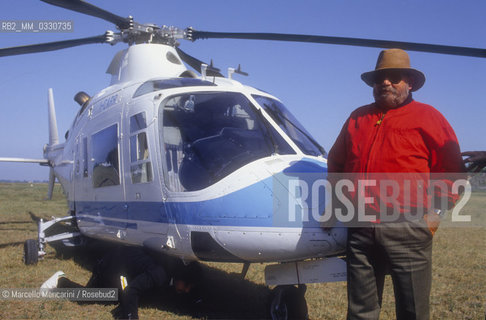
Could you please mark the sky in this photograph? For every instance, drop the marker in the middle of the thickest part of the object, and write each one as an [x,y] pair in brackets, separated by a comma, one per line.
[319,83]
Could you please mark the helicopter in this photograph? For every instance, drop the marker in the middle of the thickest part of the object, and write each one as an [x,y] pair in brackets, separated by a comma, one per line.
[195,166]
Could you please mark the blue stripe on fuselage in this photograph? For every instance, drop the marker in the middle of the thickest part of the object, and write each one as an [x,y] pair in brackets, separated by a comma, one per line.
[254,206]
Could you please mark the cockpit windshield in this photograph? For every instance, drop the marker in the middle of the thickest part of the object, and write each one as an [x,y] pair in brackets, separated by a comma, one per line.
[208,135]
[290,125]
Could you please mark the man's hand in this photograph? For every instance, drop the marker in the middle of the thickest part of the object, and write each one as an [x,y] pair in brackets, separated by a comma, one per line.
[475,159]
[433,220]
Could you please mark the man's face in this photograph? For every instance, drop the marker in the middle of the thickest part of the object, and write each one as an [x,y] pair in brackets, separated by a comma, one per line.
[391,89]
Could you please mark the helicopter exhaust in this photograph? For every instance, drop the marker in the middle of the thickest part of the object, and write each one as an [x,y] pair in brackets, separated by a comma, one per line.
[81,98]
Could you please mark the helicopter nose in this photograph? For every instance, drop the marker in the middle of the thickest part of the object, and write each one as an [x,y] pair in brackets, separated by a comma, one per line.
[300,194]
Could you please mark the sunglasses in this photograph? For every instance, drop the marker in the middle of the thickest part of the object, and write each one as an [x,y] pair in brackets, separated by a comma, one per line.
[393,76]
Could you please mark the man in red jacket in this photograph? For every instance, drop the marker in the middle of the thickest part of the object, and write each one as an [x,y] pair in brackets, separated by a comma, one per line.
[397,146]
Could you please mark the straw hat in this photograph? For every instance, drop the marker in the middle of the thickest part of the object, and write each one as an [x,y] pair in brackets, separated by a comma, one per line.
[395,59]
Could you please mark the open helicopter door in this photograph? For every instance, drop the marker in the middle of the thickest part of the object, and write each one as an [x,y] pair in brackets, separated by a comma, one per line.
[147,217]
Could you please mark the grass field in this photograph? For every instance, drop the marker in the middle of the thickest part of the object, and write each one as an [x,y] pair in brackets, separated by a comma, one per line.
[458,290]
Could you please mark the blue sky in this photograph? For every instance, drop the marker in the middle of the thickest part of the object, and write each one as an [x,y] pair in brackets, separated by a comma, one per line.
[320,84]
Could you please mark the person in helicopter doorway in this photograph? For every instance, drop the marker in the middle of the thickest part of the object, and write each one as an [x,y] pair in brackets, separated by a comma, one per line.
[395,140]
[135,271]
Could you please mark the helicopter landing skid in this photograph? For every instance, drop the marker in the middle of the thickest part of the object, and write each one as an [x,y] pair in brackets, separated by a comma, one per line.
[35,250]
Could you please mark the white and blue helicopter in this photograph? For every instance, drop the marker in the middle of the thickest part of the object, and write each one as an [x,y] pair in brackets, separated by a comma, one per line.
[200,167]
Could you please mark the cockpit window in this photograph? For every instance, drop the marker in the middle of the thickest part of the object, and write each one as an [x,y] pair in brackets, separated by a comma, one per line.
[207,136]
[290,125]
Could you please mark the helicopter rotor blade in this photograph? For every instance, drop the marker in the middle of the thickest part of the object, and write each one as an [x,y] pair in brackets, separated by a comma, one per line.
[412,46]
[196,64]
[51,46]
[89,9]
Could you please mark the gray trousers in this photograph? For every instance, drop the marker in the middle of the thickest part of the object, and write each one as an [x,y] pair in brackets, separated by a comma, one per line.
[402,249]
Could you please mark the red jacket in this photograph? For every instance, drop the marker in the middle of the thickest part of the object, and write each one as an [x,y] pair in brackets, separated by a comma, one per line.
[406,143]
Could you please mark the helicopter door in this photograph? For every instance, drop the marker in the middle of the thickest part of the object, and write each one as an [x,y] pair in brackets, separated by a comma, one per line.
[81,183]
[104,212]
[146,210]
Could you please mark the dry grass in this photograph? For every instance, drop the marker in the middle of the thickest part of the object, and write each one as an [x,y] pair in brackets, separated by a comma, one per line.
[458,292]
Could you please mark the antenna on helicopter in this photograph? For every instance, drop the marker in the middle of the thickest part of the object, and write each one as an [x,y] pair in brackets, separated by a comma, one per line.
[238,71]
[241,72]
[211,66]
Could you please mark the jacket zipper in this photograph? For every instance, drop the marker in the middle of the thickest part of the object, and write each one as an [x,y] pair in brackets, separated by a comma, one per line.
[377,124]
[381,119]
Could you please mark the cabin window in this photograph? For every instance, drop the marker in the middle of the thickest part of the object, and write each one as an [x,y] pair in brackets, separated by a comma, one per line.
[140,167]
[207,136]
[105,157]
